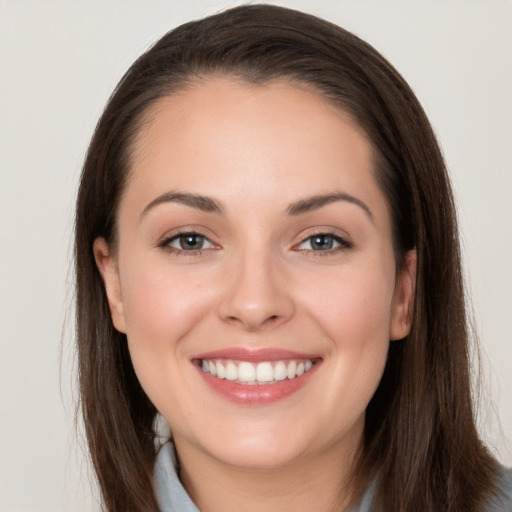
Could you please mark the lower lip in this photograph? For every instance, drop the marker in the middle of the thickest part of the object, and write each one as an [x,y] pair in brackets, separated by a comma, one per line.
[258,394]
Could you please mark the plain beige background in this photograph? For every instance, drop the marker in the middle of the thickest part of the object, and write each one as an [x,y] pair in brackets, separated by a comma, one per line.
[59,61]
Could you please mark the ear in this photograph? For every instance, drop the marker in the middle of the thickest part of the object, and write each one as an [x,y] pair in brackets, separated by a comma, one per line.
[403,298]
[107,265]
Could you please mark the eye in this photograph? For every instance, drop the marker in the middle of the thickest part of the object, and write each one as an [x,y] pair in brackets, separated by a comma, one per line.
[323,242]
[189,242]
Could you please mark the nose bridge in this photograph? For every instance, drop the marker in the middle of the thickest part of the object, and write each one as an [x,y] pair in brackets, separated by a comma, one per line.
[256,294]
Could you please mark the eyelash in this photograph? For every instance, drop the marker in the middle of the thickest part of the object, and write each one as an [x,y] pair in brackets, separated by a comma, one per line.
[165,244]
[343,244]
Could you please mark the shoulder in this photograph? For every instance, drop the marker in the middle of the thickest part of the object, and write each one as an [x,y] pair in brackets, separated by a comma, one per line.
[502,499]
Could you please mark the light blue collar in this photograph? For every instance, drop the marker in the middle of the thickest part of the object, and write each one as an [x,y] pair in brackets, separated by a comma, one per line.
[172,496]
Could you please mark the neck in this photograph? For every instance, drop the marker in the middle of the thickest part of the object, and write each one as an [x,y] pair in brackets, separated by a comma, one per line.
[319,483]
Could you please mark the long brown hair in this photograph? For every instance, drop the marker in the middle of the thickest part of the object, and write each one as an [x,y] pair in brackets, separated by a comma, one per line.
[420,440]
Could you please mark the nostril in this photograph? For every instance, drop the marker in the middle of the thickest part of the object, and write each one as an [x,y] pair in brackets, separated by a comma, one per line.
[256,309]
[271,320]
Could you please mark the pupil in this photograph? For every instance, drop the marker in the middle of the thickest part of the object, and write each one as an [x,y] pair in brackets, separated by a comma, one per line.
[191,241]
[322,242]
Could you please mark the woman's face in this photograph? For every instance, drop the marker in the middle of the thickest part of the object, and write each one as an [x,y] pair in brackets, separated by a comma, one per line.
[254,273]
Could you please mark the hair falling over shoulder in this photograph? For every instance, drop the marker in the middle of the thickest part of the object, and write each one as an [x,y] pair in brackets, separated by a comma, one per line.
[420,439]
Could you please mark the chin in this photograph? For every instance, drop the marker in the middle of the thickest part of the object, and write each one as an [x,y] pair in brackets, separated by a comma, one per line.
[258,446]
[260,456]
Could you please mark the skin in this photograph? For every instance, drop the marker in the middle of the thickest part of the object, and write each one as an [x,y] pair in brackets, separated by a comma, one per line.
[257,283]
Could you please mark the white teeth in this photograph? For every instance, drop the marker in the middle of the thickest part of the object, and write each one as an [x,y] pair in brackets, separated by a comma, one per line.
[221,371]
[291,371]
[280,371]
[231,371]
[265,372]
[246,372]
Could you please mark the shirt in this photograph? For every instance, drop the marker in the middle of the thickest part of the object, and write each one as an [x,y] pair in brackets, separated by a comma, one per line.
[172,496]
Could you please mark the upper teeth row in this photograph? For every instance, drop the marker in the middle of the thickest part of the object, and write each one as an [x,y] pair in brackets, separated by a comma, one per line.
[263,372]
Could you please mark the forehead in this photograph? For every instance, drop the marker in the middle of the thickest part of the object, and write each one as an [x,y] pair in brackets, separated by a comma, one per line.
[276,140]
[222,101]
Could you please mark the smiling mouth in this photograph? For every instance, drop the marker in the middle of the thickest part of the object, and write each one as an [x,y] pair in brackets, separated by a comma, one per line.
[263,372]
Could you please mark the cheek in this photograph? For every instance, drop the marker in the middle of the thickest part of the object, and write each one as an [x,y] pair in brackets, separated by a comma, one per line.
[163,304]
[159,302]
[353,310]
[354,306]
[360,330]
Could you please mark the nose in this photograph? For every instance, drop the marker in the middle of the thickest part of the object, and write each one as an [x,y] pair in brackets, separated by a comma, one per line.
[256,294]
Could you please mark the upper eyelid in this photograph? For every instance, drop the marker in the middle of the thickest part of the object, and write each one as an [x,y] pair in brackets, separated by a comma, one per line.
[184,233]
[343,238]
[344,242]
[177,232]
[187,233]
[323,233]
[325,230]
[165,244]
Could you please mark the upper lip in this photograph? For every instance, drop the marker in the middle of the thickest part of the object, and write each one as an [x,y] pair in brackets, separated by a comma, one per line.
[254,354]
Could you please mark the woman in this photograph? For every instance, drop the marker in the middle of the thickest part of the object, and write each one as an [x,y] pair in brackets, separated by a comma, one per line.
[267,256]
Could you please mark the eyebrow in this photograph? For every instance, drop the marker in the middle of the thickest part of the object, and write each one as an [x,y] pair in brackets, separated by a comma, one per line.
[203,203]
[315,202]
[210,205]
